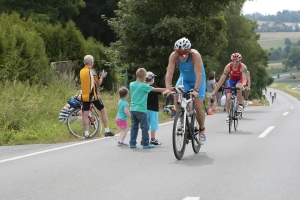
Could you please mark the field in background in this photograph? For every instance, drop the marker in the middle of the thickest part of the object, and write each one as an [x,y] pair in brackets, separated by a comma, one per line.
[276,39]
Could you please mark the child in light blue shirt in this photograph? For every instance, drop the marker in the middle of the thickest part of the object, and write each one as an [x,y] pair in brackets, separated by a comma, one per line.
[122,115]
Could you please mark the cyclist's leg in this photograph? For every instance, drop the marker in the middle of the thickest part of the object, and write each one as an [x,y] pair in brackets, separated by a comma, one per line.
[100,106]
[85,115]
[198,102]
[240,97]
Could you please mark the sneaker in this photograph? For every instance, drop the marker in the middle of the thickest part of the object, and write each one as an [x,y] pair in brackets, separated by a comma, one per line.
[109,134]
[240,109]
[122,144]
[149,146]
[87,136]
[180,127]
[155,142]
[227,120]
[132,146]
[202,138]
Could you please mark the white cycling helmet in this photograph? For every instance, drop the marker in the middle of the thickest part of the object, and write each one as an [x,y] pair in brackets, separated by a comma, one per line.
[236,56]
[183,44]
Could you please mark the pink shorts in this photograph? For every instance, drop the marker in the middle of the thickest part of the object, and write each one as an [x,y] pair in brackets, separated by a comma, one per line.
[121,123]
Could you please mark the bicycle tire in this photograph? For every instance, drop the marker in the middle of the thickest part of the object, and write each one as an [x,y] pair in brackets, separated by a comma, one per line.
[230,116]
[196,137]
[75,124]
[179,137]
[236,120]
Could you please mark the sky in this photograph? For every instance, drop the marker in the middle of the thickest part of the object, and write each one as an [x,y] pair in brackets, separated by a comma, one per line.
[270,7]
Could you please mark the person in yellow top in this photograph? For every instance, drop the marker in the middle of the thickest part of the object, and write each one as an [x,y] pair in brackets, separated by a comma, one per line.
[89,82]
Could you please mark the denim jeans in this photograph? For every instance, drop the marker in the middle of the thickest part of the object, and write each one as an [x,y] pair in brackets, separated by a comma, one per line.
[136,119]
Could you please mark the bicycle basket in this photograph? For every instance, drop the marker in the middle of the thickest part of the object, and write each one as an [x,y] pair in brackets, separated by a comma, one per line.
[73,103]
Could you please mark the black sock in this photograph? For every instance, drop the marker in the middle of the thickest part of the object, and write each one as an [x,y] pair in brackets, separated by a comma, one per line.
[153,139]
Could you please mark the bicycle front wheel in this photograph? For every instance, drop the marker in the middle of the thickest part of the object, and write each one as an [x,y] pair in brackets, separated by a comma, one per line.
[179,135]
[75,124]
[196,138]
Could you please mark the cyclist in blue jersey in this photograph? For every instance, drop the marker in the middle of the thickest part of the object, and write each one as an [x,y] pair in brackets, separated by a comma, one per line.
[192,76]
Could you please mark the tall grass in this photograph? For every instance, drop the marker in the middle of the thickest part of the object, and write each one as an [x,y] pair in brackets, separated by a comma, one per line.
[29,113]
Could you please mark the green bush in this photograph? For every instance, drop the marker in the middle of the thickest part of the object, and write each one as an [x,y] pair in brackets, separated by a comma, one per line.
[22,52]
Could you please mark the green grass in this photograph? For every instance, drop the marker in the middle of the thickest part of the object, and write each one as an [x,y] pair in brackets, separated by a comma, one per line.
[276,39]
[29,113]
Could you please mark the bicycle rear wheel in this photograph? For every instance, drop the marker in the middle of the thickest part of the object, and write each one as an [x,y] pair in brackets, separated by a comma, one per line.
[235,120]
[196,138]
[179,135]
[230,116]
[75,124]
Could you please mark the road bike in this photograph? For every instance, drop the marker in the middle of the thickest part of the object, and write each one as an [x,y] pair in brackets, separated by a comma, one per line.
[233,106]
[75,124]
[186,127]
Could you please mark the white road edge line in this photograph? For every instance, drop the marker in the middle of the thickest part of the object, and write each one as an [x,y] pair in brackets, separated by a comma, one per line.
[268,130]
[63,147]
[285,113]
[49,150]
[191,198]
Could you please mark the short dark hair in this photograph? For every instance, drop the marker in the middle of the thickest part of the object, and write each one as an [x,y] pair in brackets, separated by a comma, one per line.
[211,75]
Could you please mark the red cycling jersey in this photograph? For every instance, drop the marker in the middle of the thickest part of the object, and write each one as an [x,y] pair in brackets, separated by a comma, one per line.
[235,75]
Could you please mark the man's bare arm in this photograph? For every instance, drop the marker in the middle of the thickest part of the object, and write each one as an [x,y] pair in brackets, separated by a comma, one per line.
[197,60]
[170,72]
[222,79]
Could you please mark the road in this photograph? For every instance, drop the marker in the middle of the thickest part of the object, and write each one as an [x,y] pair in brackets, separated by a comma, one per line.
[258,161]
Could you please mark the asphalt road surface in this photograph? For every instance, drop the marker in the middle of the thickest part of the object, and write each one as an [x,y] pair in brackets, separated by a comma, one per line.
[258,161]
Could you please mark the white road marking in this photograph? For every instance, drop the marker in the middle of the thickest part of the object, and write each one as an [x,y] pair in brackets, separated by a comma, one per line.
[49,150]
[292,107]
[285,113]
[266,131]
[63,147]
[191,198]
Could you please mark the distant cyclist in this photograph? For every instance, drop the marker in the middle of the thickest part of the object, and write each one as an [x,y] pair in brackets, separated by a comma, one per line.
[275,95]
[237,72]
[272,98]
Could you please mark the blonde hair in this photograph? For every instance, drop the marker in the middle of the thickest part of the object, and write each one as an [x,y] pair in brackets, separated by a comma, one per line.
[141,73]
[123,91]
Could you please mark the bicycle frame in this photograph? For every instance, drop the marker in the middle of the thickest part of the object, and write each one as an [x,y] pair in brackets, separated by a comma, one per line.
[185,99]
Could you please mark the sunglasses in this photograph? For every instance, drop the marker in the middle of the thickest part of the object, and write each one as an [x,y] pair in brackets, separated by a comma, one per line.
[182,53]
[236,61]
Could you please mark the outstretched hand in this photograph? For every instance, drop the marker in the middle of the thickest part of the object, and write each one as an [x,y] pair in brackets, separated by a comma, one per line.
[102,74]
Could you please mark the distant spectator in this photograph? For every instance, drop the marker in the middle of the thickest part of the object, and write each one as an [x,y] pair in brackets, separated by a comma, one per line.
[210,86]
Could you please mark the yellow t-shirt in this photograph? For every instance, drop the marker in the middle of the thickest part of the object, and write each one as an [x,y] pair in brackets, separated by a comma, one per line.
[88,78]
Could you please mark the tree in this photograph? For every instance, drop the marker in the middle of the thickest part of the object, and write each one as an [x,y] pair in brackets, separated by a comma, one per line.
[287,41]
[92,24]
[147,31]
[293,59]
[43,10]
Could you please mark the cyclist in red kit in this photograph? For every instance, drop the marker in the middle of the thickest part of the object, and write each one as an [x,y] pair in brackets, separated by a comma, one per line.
[237,72]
